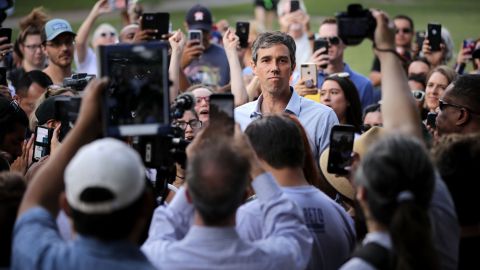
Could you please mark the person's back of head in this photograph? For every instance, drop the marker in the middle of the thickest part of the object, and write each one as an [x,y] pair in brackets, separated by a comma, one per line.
[13,125]
[398,179]
[277,140]
[12,188]
[457,157]
[105,190]
[217,179]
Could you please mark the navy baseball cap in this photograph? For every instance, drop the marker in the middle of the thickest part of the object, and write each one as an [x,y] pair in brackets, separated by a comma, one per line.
[199,18]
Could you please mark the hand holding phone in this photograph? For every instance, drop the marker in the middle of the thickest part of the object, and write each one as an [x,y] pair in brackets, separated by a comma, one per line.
[118,4]
[434,36]
[242,31]
[308,73]
[321,43]
[41,143]
[159,21]
[341,148]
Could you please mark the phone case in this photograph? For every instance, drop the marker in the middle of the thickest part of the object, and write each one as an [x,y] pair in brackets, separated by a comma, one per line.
[242,31]
[435,36]
[341,147]
[159,21]
[6,32]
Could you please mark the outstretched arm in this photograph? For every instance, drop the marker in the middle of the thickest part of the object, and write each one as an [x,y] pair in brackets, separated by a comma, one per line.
[230,43]
[177,42]
[398,106]
[81,40]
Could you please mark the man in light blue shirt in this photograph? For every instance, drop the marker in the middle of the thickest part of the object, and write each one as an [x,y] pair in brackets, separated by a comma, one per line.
[217,176]
[273,61]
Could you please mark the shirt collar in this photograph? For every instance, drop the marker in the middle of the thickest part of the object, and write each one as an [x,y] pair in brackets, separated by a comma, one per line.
[293,105]
[202,234]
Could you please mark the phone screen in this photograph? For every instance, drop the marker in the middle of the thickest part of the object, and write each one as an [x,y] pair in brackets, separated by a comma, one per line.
[434,36]
[341,147]
[195,35]
[118,4]
[3,76]
[431,119]
[242,31]
[41,145]
[221,112]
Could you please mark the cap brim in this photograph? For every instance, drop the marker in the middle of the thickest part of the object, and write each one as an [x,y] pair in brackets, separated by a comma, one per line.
[200,26]
[341,184]
[57,34]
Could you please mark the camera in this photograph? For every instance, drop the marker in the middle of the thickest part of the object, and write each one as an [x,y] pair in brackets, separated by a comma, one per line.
[355,24]
[136,106]
[66,111]
[78,81]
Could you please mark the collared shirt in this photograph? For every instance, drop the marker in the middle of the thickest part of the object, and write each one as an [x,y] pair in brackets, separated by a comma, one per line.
[363,84]
[317,119]
[37,244]
[172,244]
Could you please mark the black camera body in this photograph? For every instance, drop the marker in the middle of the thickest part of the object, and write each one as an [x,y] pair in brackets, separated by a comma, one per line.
[355,24]
[66,111]
[78,81]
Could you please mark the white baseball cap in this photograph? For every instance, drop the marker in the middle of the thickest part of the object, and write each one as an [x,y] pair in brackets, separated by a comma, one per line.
[104,176]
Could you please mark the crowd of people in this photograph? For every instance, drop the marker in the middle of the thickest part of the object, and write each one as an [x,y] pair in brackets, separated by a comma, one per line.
[262,197]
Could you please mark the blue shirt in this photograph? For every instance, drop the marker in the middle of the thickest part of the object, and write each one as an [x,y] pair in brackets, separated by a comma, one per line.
[173,244]
[363,84]
[211,68]
[37,244]
[317,119]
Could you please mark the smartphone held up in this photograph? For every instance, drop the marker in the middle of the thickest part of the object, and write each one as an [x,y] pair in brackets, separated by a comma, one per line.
[341,149]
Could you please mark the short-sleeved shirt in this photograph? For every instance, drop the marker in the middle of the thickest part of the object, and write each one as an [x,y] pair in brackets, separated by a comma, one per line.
[89,64]
[317,119]
[37,244]
[211,68]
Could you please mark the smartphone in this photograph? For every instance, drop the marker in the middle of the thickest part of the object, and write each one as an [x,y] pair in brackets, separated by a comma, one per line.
[434,36]
[469,43]
[195,35]
[6,32]
[3,76]
[419,38]
[431,119]
[41,144]
[242,31]
[308,73]
[321,43]
[159,21]
[118,4]
[341,147]
[66,110]
[221,112]
[294,5]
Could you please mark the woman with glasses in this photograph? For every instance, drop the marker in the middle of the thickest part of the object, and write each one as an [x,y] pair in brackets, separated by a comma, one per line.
[105,34]
[339,93]
[437,81]
[202,95]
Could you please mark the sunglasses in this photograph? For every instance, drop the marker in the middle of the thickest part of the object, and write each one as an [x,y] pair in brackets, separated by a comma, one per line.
[418,95]
[339,75]
[333,40]
[112,34]
[403,30]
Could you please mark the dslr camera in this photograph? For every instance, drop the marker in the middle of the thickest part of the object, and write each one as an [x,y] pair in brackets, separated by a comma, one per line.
[78,81]
[355,24]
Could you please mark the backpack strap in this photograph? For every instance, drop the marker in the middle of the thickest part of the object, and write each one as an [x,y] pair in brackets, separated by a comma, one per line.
[374,254]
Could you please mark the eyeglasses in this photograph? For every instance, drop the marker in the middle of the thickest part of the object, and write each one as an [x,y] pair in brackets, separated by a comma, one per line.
[403,30]
[33,47]
[194,123]
[418,95]
[112,34]
[333,40]
[199,99]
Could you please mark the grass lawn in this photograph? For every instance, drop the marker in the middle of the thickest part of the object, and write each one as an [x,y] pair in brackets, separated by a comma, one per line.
[459,16]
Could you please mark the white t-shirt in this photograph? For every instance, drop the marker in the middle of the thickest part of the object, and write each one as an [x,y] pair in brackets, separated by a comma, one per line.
[303,50]
[331,227]
[89,65]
